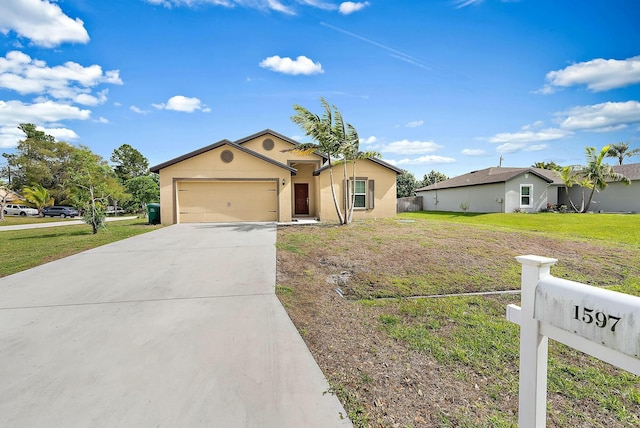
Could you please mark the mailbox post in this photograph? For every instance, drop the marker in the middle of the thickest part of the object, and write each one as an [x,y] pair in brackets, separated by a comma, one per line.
[599,322]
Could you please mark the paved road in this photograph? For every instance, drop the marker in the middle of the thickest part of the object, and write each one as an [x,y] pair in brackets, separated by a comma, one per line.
[179,327]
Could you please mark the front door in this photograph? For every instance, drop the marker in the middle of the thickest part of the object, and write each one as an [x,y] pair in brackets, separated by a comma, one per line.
[301,195]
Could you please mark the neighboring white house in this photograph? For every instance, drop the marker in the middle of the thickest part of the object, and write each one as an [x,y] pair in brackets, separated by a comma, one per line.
[616,197]
[494,190]
[501,189]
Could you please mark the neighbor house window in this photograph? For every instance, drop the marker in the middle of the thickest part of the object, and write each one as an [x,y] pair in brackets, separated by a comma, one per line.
[526,193]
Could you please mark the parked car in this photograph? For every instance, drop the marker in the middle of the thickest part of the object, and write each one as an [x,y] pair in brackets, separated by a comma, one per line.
[58,210]
[21,210]
[114,210]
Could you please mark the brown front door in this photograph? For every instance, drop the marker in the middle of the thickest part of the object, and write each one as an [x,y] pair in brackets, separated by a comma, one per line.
[301,195]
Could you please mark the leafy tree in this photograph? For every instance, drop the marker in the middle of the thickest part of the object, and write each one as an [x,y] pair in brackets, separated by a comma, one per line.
[39,159]
[598,174]
[405,184]
[432,178]
[129,163]
[621,151]
[570,178]
[37,196]
[143,189]
[552,166]
[94,184]
[337,141]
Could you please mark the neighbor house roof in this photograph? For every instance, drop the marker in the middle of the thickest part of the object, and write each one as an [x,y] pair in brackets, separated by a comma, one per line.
[631,171]
[372,159]
[493,175]
[194,153]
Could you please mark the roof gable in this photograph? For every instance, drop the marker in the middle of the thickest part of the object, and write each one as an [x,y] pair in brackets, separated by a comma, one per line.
[214,146]
[269,132]
[372,159]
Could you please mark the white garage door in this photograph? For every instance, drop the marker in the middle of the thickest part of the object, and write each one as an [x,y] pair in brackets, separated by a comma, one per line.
[227,201]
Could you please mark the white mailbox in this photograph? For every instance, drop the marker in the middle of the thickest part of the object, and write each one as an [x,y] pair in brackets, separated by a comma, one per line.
[599,322]
[603,316]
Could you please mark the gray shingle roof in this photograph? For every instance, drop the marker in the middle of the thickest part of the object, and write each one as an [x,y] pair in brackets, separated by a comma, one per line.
[631,171]
[493,175]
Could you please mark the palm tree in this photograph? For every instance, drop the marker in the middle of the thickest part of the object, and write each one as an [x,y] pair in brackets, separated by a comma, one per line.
[552,166]
[319,128]
[338,141]
[37,196]
[598,174]
[621,151]
[349,150]
[570,178]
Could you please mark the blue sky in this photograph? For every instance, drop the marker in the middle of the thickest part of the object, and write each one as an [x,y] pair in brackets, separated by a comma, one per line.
[450,85]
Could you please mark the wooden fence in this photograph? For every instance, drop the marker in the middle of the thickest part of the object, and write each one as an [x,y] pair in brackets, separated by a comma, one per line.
[409,204]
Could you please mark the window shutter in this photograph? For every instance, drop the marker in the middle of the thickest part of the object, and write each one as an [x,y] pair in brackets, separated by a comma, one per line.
[371,194]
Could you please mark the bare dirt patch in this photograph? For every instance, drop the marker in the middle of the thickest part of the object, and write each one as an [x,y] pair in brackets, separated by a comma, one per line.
[386,382]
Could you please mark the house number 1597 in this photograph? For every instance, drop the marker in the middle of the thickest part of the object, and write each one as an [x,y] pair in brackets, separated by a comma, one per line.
[600,319]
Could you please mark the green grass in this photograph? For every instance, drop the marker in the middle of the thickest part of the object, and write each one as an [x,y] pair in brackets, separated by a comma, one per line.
[10,220]
[472,334]
[615,228]
[24,249]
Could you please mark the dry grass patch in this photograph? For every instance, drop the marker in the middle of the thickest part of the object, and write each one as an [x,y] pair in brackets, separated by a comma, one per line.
[446,361]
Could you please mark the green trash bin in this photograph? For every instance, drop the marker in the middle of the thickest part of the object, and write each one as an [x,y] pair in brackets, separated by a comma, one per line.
[154,213]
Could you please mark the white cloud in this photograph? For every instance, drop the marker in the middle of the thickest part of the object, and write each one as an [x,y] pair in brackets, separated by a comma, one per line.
[348,7]
[464,3]
[13,112]
[369,140]
[41,21]
[528,136]
[598,74]
[135,109]
[423,160]
[474,152]
[602,117]
[301,65]
[16,112]
[70,81]
[274,5]
[9,136]
[102,120]
[184,104]
[60,134]
[415,124]
[406,147]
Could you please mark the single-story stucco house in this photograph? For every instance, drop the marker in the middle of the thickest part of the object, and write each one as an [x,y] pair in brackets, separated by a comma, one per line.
[502,189]
[494,190]
[616,197]
[258,178]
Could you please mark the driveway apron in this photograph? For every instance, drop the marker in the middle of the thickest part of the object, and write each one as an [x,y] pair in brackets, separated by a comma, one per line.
[179,327]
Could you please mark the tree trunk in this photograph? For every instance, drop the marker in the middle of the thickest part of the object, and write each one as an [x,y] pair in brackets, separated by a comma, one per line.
[333,193]
[571,202]
[593,190]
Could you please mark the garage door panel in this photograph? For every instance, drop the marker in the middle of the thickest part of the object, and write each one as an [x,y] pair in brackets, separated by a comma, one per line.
[227,201]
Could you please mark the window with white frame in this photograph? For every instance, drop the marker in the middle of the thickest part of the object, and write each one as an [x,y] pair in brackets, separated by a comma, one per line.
[526,195]
[360,193]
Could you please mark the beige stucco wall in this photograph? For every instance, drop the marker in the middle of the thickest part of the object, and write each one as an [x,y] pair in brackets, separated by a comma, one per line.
[384,192]
[208,165]
[279,153]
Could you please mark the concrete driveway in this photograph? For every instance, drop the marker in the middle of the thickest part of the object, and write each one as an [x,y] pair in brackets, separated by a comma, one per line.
[179,327]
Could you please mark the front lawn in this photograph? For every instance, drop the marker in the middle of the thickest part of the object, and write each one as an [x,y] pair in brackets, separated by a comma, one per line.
[24,249]
[451,361]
